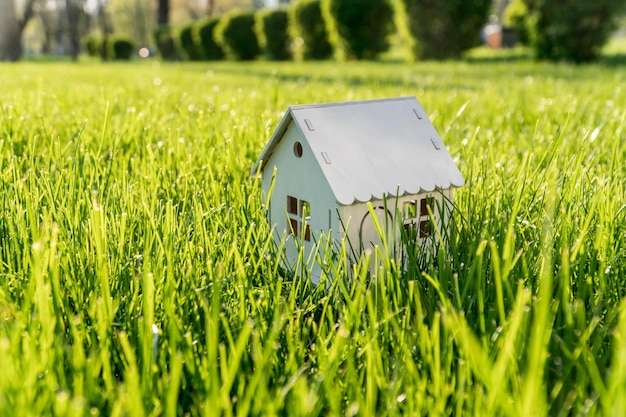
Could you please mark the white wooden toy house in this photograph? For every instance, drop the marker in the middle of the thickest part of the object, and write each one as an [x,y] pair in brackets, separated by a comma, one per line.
[330,160]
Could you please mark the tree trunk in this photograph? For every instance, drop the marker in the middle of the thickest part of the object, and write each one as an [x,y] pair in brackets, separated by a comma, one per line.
[72,28]
[10,32]
[163,15]
[106,30]
[11,29]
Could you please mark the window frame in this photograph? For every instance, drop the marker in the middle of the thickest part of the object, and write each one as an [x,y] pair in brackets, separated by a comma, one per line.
[298,212]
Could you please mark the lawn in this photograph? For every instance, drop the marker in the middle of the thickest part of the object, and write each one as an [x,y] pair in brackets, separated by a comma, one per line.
[138,275]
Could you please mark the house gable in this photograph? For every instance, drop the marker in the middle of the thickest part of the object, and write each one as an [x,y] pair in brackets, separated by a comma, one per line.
[298,176]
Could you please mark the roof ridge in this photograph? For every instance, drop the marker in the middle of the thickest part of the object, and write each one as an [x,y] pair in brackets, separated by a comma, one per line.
[349,103]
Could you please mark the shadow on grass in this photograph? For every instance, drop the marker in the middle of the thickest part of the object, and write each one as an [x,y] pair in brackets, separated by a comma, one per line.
[613,60]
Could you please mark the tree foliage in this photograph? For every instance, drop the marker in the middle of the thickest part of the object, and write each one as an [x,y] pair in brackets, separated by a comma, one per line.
[572,30]
[235,34]
[445,29]
[203,33]
[358,28]
[308,31]
[271,30]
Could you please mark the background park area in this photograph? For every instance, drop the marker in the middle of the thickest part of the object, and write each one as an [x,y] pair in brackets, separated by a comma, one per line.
[138,274]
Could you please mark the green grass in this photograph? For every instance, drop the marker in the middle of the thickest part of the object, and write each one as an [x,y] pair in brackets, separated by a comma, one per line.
[138,275]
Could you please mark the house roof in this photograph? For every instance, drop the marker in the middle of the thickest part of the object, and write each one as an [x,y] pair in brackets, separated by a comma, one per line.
[370,149]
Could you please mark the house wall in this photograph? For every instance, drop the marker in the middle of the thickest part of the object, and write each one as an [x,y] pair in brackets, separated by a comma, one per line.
[354,214]
[303,179]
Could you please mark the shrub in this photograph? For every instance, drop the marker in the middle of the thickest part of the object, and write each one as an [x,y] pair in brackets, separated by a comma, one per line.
[120,47]
[93,45]
[445,29]
[112,47]
[203,33]
[271,30]
[308,31]
[358,28]
[572,30]
[165,43]
[235,34]
[186,46]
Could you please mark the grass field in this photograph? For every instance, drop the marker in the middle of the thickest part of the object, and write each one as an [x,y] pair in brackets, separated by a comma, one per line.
[138,275]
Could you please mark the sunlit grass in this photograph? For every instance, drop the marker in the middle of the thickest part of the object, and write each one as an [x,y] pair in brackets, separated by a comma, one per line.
[138,274]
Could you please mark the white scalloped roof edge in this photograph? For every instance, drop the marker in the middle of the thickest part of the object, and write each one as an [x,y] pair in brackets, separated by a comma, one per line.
[376,148]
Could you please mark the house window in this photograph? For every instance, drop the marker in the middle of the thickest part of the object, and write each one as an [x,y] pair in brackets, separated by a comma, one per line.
[410,209]
[299,212]
[292,205]
[426,224]
[426,228]
[297,149]
[416,219]
[425,203]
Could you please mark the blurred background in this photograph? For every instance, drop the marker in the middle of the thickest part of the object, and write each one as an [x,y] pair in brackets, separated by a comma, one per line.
[58,26]
[305,29]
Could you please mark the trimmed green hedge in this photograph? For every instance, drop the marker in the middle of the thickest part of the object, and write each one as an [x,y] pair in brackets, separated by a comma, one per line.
[235,34]
[203,32]
[271,30]
[117,47]
[445,29]
[93,45]
[358,28]
[572,30]
[186,46]
[165,43]
[308,31]
[120,47]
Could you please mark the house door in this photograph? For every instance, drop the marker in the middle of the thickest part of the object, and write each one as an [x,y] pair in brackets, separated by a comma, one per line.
[368,234]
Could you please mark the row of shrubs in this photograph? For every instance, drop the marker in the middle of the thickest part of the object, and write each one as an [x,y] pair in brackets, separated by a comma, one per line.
[245,35]
[360,29]
[319,29]
[112,47]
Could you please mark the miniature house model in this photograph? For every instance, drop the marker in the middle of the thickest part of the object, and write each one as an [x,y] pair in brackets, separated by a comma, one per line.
[325,163]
